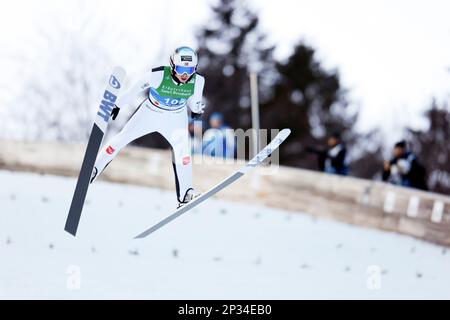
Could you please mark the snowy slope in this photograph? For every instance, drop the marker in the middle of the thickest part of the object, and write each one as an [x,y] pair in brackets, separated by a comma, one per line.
[221,250]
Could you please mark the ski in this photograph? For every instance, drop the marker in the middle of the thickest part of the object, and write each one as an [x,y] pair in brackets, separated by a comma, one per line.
[257,160]
[98,131]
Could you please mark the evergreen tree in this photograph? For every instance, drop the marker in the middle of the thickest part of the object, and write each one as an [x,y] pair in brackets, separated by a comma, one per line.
[432,148]
[230,46]
[309,100]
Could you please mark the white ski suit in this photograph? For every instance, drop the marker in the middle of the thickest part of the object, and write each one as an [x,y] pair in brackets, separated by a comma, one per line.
[163,111]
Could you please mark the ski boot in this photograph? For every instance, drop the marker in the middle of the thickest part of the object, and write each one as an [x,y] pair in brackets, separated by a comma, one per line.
[190,195]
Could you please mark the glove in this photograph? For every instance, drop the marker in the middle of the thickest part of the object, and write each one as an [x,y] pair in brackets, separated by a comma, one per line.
[196,116]
[198,107]
[115,113]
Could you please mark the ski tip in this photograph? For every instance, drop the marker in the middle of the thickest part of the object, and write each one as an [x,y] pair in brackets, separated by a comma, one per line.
[119,73]
[286,131]
[118,70]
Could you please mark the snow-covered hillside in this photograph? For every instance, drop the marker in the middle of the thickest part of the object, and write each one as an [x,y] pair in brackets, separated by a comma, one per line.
[220,250]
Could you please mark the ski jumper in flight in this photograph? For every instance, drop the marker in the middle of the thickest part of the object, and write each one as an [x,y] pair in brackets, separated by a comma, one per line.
[170,91]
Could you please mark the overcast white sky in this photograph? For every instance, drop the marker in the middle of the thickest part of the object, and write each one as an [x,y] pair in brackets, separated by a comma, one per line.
[393,55]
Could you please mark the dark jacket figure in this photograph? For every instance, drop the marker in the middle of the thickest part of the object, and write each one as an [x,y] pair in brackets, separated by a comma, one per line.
[404,169]
[334,159]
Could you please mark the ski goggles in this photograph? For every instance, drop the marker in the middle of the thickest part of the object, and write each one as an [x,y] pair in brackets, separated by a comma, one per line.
[182,70]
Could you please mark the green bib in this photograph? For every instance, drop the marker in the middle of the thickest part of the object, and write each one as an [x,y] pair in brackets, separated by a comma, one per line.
[170,95]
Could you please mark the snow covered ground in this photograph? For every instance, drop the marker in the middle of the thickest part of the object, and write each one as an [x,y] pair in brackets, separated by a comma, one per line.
[222,250]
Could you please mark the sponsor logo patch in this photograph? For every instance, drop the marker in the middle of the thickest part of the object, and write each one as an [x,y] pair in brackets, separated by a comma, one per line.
[145,86]
[186,160]
[110,150]
[113,82]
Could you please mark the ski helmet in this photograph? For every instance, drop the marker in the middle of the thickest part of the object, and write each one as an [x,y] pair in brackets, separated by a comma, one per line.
[184,60]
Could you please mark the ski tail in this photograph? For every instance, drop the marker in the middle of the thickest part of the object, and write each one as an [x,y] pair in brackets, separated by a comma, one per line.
[257,160]
[84,178]
[98,131]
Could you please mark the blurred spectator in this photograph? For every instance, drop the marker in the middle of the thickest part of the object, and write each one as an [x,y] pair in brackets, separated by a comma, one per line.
[219,140]
[334,158]
[404,169]
[195,132]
